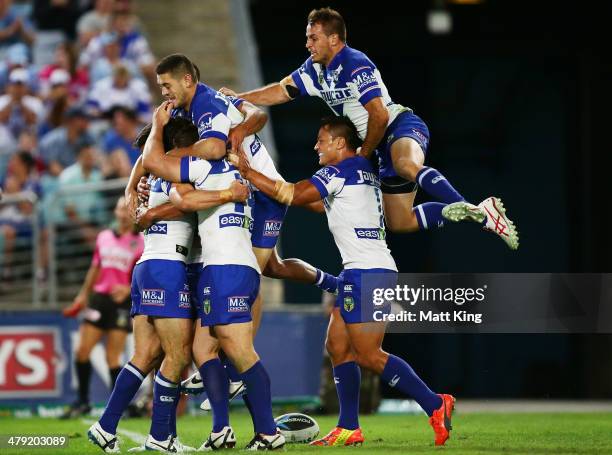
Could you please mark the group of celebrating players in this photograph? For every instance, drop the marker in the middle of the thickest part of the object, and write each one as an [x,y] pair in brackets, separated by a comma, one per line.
[238,201]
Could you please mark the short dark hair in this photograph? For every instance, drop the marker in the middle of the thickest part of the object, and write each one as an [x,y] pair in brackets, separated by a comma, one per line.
[178,132]
[342,127]
[177,65]
[27,159]
[331,21]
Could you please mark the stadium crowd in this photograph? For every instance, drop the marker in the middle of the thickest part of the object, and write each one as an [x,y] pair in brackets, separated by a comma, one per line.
[75,84]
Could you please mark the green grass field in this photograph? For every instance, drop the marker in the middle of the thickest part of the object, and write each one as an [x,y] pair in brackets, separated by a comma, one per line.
[473,434]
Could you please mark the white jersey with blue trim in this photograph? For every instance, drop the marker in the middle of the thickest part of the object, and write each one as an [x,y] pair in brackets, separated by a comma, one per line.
[172,239]
[346,85]
[214,114]
[225,230]
[353,204]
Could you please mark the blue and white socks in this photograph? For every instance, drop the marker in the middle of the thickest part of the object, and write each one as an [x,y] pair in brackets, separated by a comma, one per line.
[165,400]
[398,374]
[436,185]
[257,383]
[128,382]
[216,382]
[347,377]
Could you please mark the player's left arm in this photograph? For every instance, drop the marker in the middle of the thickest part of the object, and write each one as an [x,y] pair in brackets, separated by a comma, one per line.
[378,117]
[254,120]
[302,193]
[188,199]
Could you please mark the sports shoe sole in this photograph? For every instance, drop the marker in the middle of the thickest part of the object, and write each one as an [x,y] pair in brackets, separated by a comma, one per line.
[513,238]
[463,211]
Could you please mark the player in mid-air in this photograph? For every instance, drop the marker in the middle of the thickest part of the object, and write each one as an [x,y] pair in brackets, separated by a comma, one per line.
[229,282]
[351,85]
[161,302]
[350,190]
[105,295]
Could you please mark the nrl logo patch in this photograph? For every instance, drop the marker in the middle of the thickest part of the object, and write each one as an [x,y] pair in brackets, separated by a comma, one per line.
[349,304]
[206,306]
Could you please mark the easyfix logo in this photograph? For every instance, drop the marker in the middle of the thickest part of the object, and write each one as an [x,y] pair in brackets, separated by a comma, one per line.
[29,363]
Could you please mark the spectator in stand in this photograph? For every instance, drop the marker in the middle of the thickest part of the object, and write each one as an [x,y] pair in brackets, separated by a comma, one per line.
[13,29]
[94,22]
[58,148]
[118,142]
[18,110]
[16,219]
[58,15]
[56,102]
[82,209]
[66,59]
[134,46]
[17,56]
[111,56]
[121,89]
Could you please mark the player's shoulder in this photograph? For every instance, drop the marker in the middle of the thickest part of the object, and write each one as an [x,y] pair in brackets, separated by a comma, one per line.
[105,234]
[327,173]
[354,60]
[357,169]
[307,66]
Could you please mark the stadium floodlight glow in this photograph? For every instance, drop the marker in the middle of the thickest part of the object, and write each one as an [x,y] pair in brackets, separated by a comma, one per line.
[439,21]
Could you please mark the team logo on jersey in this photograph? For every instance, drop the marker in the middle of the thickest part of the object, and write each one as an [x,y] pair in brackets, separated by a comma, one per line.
[235,220]
[204,123]
[206,306]
[206,290]
[368,178]
[348,288]
[365,79]
[327,173]
[272,228]
[184,299]
[349,304]
[155,297]
[238,304]
[158,228]
[255,146]
[370,233]
[337,96]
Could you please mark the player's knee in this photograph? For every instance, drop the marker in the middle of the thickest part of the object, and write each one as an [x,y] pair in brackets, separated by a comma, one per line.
[407,168]
[82,353]
[373,360]
[112,359]
[337,349]
[403,222]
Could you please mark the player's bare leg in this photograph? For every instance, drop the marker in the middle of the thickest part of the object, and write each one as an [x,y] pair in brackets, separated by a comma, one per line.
[366,339]
[147,355]
[408,158]
[347,378]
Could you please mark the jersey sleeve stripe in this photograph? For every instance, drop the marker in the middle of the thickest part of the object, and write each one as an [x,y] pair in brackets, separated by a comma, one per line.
[319,185]
[360,68]
[185,169]
[298,81]
[370,94]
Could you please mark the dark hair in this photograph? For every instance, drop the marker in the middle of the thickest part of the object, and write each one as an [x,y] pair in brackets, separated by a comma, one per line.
[342,127]
[178,132]
[27,159]
[330,20]
[177,65]
[117,108]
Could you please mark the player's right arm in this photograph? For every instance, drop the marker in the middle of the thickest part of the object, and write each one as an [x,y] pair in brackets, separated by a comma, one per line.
[167,211]
[154,159]
[270,95]
[188,199]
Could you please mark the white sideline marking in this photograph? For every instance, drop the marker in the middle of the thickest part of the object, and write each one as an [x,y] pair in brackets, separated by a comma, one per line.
[134,436]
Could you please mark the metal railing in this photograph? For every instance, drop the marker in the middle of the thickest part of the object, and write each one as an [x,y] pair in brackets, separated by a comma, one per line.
[71,242]
[19,253]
